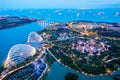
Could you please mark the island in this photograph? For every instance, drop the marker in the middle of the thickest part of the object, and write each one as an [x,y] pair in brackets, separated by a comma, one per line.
[14,21]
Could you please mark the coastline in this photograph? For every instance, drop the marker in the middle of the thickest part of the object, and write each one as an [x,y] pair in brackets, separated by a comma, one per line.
[7,22]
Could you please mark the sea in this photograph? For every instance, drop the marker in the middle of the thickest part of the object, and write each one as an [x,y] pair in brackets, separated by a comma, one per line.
[18,35]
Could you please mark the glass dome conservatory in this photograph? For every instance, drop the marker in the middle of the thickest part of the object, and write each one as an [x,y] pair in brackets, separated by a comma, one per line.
[19,53]
[34,37]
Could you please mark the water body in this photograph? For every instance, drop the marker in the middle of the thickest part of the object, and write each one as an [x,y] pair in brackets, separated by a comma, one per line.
[12,36]
[58,72]
[99,15]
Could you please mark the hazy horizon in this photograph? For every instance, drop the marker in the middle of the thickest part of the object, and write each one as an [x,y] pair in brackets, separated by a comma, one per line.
[59,4]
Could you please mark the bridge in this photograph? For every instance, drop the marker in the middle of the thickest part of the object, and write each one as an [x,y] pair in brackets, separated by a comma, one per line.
[45,24]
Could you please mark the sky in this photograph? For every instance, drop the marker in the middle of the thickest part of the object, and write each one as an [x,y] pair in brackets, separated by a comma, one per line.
[38,4]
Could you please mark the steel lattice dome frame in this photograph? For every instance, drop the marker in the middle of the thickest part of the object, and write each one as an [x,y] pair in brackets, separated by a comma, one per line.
[34,37]
[19,53]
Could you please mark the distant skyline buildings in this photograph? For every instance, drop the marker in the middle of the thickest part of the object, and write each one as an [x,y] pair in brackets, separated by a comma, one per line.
[41,4]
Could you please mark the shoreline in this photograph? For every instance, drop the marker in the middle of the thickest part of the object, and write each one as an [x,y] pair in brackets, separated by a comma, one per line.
[96,22]
[7,22]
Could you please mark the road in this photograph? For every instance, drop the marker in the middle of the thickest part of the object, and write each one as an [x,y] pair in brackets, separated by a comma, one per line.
[7,73]
[53,55]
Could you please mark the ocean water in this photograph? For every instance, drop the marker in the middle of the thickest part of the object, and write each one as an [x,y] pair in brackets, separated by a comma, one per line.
[62,15]
[10,37]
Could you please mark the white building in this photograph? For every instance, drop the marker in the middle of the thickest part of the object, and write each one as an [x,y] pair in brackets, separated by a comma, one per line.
[19,53]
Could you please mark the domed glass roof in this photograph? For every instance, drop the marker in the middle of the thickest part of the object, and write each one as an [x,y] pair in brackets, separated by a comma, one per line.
[19,53]
[34,37]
